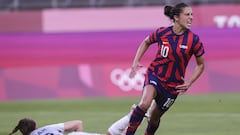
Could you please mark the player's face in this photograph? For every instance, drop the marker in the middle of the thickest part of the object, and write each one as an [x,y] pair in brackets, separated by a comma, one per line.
[185,18]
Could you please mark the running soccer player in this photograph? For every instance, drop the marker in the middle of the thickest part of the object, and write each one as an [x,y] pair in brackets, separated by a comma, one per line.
[164,79]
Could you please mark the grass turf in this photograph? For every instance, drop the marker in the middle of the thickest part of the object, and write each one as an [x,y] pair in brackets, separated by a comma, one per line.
[212,114]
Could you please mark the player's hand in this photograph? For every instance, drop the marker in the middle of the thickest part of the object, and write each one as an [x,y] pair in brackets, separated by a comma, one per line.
[134,69]
[181,89]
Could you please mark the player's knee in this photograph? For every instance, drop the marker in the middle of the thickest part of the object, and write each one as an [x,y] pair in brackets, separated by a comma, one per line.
[145,104]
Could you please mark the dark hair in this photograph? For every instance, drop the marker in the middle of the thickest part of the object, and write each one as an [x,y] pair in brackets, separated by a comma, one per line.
[170,11]
[25,125]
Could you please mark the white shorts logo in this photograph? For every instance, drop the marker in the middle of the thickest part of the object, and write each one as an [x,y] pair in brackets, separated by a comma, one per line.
[153,82]
[121,78]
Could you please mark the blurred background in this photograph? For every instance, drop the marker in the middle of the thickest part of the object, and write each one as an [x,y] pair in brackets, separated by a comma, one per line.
[62,49]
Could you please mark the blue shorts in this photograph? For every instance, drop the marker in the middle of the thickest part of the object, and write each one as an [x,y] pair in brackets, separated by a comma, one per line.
[164,98]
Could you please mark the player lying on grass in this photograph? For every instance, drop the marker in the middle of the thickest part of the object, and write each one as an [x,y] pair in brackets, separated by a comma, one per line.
[28,126]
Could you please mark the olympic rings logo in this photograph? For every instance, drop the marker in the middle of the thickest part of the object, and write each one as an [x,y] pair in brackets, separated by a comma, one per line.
[121,78]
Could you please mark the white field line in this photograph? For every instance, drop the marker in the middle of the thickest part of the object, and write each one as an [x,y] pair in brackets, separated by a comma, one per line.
[207,114]
[189,114]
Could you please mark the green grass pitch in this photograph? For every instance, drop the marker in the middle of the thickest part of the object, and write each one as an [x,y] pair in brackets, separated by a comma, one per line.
[211,114]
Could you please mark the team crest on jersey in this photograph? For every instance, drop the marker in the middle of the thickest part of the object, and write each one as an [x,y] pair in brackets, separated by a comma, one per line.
[183,46]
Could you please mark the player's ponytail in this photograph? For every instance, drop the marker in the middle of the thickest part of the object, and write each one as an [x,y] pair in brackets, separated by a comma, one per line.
[170,11]
[26,126]
[14,130]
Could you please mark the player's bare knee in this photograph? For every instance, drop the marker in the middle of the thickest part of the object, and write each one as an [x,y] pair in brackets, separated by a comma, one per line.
[144,106]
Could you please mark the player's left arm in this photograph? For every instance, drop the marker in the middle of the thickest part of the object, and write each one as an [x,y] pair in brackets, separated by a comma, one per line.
[71,126]
[197,72]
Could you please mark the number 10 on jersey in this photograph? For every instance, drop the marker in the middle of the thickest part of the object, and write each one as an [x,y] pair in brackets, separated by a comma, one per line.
[164,51]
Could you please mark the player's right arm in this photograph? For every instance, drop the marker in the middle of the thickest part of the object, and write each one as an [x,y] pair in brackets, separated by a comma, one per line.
[140,52]
[71,126]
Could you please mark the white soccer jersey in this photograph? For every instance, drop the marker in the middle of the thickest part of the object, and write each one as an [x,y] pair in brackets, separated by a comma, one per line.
[54,129]
[83,133]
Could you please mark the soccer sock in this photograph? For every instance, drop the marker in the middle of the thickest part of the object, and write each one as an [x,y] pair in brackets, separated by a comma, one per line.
[135,120]
[151,128]
[119,126]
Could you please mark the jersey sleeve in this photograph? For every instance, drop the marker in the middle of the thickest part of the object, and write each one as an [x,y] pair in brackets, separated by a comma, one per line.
[50,129]
[154,37]
[59,126]
[198,49]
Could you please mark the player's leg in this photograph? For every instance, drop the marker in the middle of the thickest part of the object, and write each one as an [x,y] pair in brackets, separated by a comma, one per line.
[118,127]
[153,120]
[138,114]
[163,102]
[147,114]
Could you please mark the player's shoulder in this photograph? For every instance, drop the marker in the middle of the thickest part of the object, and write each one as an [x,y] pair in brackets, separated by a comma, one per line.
[58,127]
[163,30]
[196,37]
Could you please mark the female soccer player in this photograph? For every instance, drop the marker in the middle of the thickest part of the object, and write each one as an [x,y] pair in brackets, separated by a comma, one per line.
[29,127]
[164,79]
